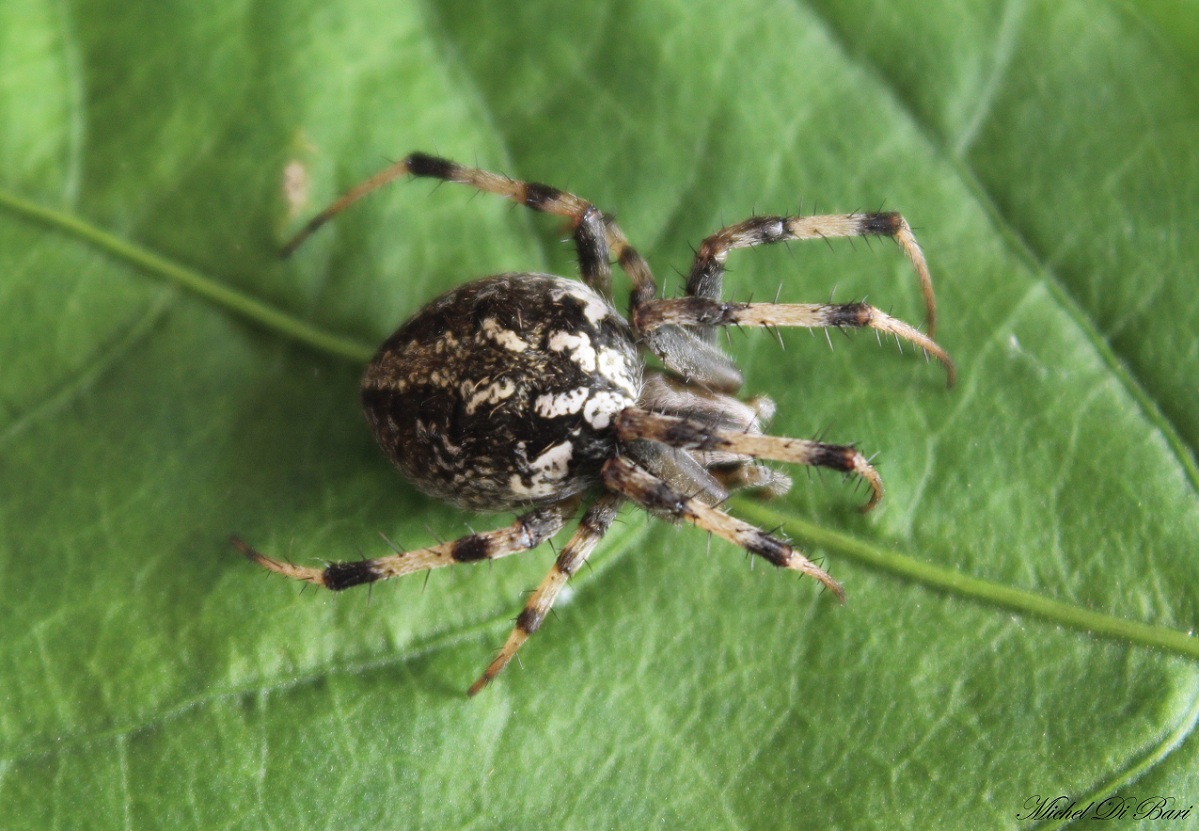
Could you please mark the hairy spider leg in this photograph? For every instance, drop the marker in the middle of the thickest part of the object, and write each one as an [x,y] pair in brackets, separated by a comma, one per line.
[592,527]
[527,532]
[688,434]
[650,492]
[706,312]
[590,226]
[707,269]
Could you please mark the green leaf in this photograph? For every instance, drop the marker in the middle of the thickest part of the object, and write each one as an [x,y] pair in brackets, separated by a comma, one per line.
[1020,606]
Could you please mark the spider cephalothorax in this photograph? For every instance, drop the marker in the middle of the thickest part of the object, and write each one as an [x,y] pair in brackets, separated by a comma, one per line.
[528,392]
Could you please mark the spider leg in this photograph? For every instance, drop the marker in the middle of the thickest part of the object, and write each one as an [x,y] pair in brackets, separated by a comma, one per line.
[592,527]
[706,312]
[688,434]
[590,226]
[645,489]
[528,531]
[707,270]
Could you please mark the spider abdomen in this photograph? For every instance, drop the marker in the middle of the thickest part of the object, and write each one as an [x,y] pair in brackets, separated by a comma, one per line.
[503,393]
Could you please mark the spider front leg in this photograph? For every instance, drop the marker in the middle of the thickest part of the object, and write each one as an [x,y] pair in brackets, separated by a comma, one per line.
[706,312]
[645,489]
[707,270]
[591,530]
[528,531]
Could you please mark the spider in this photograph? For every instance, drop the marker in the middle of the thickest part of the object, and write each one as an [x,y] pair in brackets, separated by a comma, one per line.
[530,393]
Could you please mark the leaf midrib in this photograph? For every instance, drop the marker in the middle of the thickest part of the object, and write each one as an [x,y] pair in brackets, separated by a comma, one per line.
[863,551]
